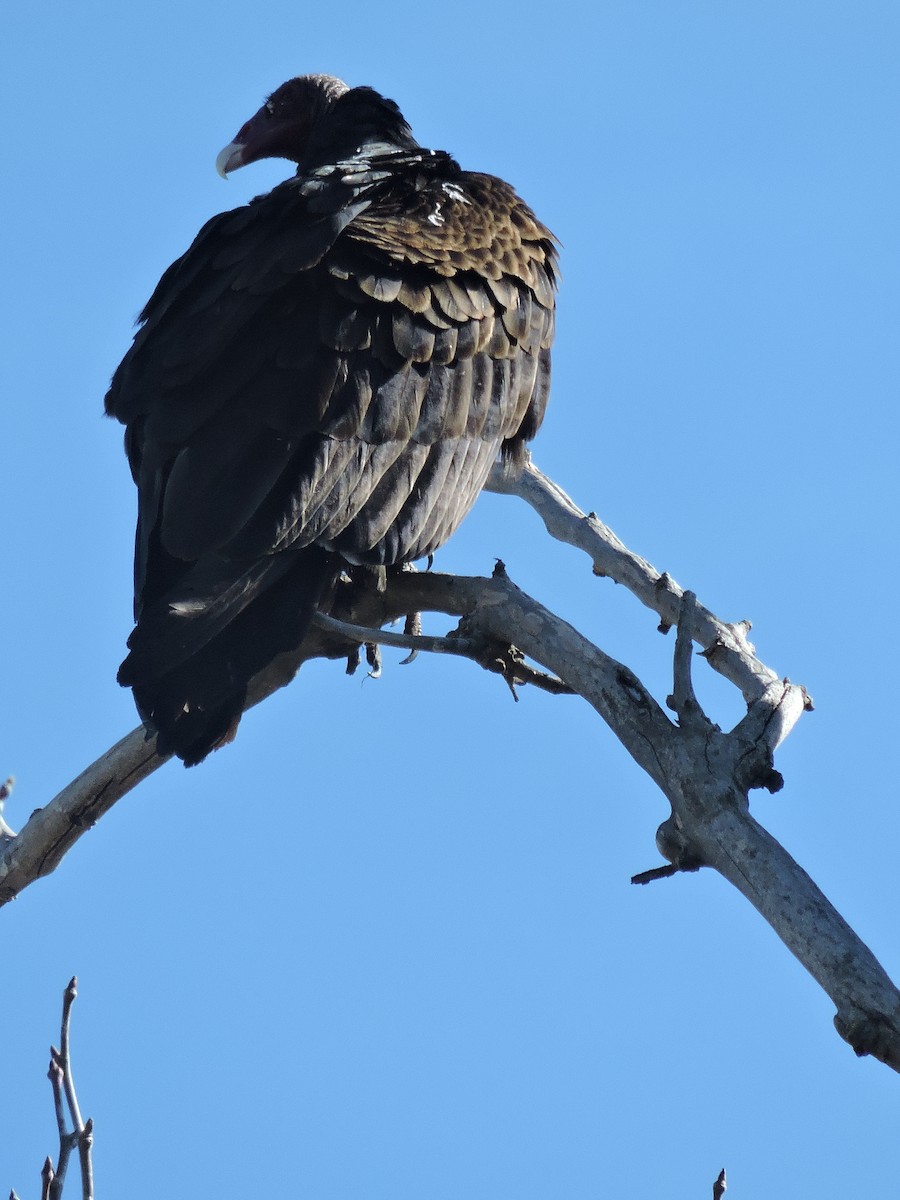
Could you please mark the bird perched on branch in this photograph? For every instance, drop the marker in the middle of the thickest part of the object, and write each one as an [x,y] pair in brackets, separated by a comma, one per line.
[324,378]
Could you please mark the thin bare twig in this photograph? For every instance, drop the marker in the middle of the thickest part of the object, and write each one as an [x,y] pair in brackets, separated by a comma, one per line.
[81,1135]
[655,873]
[66,1143]
[5,793]
[683,700]
[65,1057]
[387,637]
[725,646]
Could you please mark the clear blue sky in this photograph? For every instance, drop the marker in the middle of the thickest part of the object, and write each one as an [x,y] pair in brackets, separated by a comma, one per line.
[385,945]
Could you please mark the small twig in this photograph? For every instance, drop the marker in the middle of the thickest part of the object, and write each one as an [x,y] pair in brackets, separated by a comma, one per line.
[525,673]
[683,700]
[720,1187]
[674,846]
[65,1060]
[465,648]
[655,873]
[81,1135]
[66,1139]
[85,1145]
[5,793]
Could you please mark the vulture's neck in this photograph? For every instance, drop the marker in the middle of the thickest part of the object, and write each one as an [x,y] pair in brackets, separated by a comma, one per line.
[361,122]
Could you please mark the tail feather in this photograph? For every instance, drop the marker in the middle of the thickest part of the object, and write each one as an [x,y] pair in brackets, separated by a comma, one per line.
[210,597]
[191,663]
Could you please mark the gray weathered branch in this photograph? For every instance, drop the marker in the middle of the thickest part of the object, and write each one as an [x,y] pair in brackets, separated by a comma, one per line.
[725,646]
[705,773]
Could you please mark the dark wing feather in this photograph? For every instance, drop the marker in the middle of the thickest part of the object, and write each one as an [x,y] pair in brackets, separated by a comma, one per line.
[327,374]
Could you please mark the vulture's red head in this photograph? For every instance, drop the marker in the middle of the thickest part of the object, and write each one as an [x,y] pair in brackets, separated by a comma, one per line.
[282,127]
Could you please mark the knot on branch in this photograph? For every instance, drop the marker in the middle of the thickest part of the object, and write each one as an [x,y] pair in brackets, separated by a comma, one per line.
[499,658]
[673,845]
[82,821]
[504,659]
[756,770]
[632,686]
[870,1033]
[665,586]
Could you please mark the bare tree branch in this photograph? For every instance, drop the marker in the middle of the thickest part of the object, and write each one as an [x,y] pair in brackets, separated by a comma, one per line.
[81,1135]
[51,831]
[505,660]
[705,773]
[725,646]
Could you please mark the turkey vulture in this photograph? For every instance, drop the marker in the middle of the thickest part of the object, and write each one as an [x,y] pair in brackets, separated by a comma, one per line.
[324,378]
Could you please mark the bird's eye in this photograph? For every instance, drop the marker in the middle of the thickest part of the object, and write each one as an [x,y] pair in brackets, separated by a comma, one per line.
[270,107]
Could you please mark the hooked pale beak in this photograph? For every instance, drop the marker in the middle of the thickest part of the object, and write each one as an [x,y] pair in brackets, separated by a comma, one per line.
[230,158]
